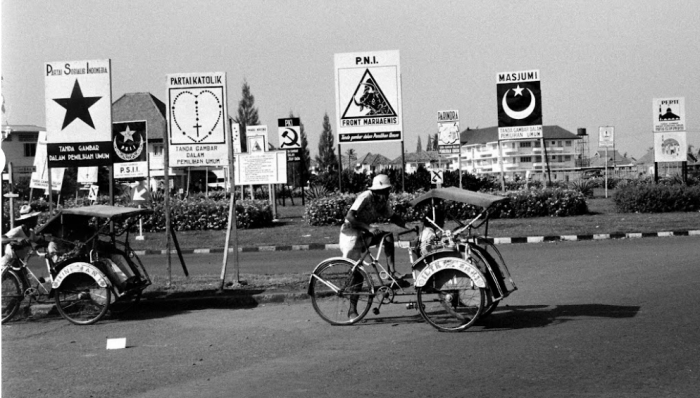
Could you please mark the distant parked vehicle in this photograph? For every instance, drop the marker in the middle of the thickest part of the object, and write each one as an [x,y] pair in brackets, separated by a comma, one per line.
[591,174]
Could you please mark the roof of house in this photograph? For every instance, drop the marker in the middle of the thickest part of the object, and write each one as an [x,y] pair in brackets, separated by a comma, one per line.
[614,157]
[490,134]
[373,160]
[141,106]
[22,128]
[418,157]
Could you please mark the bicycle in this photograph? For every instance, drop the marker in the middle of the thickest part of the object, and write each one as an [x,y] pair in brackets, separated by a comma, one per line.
[454,284]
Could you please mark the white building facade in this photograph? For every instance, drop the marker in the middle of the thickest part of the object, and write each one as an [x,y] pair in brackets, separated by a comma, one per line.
[516,159]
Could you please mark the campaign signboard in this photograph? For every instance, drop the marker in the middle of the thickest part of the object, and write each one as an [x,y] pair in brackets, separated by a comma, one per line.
[668,114]
[130,144]
[606,137]
[87,175]
[78,113]
[368,97]
[670,147]
[236,137]
[40,175]
[448,132]
[519,105]
[256,138]
[261,168]
[289,130]
[197,117]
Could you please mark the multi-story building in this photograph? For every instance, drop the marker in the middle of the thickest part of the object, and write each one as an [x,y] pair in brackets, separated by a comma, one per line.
[481,156]
[19,145]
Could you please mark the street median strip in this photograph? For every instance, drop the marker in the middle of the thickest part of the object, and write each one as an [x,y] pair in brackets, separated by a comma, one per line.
[496,241]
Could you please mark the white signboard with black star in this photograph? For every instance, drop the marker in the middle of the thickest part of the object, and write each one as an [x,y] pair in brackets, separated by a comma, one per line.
[130,145]
[368,97]
[78,113]
[197,117]
[519,105]
[669,114]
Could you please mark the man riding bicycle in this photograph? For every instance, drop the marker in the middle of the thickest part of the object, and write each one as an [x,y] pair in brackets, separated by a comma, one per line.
[356,233]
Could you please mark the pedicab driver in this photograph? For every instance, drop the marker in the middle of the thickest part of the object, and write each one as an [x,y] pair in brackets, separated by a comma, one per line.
[369,207]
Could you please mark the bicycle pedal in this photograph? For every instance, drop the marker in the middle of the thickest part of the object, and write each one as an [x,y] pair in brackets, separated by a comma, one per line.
[375,311]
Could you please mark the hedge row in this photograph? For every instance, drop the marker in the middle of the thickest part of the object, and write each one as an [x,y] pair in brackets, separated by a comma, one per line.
[551,202]
[656,198]
[189,214]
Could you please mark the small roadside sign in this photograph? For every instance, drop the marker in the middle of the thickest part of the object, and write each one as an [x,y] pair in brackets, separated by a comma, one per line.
[140,194]
[448,132]
[290,138]
[256,138]
[436,177]
[92,195]
[606,137]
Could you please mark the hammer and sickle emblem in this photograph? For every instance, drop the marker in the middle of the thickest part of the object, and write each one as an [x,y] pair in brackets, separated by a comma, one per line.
[293,139]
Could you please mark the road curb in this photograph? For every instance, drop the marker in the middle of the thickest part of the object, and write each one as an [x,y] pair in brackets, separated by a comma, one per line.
[497,241]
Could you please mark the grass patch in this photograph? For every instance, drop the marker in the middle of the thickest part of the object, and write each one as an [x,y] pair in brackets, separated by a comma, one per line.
[291,229]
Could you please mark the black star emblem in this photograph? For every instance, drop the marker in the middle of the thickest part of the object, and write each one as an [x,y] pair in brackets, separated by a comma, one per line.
[77,106]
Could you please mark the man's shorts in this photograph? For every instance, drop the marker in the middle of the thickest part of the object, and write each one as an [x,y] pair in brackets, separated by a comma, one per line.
[350,241]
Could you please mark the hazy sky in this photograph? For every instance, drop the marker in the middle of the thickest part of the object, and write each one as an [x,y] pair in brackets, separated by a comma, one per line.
[601,62]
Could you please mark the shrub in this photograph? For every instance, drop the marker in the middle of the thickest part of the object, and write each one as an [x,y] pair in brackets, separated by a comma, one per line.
[653,198]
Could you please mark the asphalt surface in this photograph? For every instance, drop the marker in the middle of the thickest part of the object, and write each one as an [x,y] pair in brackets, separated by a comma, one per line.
[241,297]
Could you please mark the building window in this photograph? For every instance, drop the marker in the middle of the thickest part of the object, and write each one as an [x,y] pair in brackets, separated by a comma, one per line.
[526,159]
[537,144]
[157,150]
[29,150]
[525,144]
[538,158]
[568,143]
[567,158]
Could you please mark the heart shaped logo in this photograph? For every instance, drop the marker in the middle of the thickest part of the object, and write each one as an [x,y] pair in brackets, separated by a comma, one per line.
[197,116]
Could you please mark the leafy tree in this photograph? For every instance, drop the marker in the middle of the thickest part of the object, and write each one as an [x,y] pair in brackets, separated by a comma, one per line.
[247,113]
[326,158]
[352,155]
[419,146]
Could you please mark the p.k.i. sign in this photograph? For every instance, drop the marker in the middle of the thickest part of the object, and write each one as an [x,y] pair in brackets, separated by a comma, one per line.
[78,113]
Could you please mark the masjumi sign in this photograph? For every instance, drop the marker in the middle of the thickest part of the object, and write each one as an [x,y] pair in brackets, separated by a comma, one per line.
[78,98]
[197,118]
[519,105]
[368,97]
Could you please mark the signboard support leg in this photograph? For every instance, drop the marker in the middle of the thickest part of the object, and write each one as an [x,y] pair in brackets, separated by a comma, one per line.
[340,170]
[179,252]
[403,168]
[500,164]
[606,172]
[459,165]
[140,235]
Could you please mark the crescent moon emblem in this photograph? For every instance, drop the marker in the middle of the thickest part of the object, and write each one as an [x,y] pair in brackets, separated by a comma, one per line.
[518,115]
[126,156]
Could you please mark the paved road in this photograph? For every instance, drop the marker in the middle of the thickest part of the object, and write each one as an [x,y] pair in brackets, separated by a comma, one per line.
[596,319]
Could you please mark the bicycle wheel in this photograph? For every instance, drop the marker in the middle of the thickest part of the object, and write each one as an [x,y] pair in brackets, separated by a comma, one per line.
[334,290]
[81,300]
[450,301]
[12,294]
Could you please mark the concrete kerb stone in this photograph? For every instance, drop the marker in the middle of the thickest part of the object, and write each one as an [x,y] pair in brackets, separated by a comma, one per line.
[496,241]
